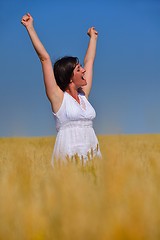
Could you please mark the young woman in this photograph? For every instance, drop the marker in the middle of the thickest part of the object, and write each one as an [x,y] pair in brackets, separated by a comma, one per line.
[67,86]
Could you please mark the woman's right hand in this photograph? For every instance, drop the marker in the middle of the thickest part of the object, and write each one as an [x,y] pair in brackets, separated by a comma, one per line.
[27,20]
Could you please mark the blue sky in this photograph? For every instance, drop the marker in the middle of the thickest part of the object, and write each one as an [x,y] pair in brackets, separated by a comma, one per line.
[126,84]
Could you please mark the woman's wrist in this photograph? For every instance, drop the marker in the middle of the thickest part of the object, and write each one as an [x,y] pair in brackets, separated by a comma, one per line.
[30,27]
[94,37]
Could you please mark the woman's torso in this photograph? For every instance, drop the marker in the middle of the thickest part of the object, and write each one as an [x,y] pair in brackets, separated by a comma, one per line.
[74,126]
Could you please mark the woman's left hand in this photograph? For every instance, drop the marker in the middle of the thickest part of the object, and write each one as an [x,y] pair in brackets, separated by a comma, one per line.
[92,32]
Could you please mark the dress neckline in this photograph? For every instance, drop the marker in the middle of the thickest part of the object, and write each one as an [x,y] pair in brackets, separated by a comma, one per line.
[81,104]
[74,98]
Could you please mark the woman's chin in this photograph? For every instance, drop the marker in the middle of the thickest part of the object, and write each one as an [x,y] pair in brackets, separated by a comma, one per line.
[85,83]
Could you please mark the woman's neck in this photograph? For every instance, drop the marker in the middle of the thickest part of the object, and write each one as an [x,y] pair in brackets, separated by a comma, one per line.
[73,93]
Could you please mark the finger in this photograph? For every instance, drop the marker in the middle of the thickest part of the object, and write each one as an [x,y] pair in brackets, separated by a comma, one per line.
[22,22]
[28,14]
[25,18]
[95,31]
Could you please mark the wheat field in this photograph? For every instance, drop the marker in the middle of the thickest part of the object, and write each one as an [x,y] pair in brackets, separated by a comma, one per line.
[116,197]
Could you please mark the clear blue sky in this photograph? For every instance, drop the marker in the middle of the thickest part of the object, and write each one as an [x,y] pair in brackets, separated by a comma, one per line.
[126,89]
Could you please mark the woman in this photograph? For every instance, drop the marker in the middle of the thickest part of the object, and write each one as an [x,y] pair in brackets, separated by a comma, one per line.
[67,86]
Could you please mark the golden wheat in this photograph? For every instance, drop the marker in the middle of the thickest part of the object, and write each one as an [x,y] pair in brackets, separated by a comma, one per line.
[116,197]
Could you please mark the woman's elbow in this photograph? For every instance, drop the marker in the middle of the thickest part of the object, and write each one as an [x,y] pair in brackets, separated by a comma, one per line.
[44,58]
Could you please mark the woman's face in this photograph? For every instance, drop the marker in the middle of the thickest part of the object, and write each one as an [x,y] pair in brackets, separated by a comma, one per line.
[78,77]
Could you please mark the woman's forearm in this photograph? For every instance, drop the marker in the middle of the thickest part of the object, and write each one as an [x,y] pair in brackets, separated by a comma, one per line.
[38,46]
[91,50]
[27,21]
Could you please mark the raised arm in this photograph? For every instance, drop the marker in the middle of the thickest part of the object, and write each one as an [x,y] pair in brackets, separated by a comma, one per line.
[54,93]
[89,59]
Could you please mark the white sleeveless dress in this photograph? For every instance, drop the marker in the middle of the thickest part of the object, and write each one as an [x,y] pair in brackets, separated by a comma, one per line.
[75,130]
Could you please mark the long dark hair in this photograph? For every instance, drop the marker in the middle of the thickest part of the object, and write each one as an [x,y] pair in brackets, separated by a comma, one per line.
[63,70]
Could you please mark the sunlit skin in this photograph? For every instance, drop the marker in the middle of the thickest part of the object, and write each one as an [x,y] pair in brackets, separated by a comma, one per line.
[77,82]
[82,77]
[78,78]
